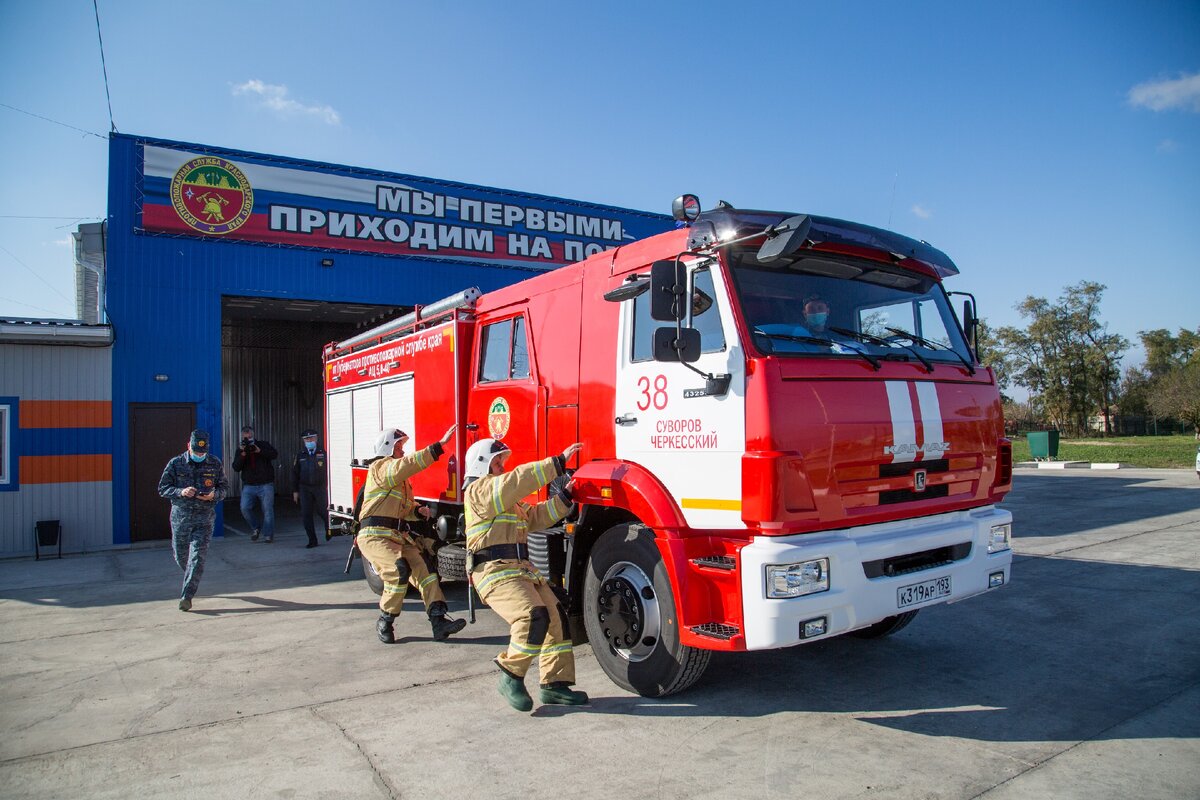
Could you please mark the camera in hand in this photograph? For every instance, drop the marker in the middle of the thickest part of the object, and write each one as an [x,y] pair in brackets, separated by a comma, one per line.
[247,444]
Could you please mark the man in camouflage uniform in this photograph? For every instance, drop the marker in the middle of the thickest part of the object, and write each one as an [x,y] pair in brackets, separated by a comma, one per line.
[194,482]
[384,538]
[498,525]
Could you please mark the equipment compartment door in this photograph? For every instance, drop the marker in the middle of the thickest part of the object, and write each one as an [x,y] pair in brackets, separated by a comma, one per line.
[693,444]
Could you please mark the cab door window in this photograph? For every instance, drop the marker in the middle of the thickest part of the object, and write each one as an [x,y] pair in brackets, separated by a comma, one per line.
[704,314]
[504,351]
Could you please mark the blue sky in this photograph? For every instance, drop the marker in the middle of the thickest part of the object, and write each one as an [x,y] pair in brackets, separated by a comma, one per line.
[1038,144]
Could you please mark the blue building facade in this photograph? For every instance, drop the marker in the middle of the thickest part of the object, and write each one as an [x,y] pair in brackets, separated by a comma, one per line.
[194,231]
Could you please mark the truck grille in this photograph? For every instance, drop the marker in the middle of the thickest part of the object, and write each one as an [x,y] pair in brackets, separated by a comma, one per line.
[864,486]
[916,562]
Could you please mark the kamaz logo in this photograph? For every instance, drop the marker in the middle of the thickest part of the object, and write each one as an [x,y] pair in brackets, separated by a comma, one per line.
[910,448]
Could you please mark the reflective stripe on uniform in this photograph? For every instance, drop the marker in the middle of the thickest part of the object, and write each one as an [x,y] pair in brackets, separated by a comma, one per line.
[564,647]
[480,528]
[395,588]
[500,575]
[382,533]
[428,579]
[525,649]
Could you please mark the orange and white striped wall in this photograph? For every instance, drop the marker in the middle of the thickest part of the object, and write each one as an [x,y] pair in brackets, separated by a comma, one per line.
[56,446]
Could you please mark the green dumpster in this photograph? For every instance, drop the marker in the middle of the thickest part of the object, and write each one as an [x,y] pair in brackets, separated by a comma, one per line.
[1043,444]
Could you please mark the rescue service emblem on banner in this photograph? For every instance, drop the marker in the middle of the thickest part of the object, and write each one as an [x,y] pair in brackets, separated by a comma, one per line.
[498,418]
[212,195]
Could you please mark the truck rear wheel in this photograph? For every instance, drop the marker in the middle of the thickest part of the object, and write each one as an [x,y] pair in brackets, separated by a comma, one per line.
[629,614]
[885,627]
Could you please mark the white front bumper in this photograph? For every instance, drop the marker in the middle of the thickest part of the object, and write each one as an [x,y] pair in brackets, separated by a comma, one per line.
[854,600]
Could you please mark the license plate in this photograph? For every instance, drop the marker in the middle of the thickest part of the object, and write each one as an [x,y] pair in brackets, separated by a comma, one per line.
[917,593]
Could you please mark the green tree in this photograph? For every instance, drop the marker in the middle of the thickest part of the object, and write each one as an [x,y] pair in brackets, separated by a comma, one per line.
[1177,394]
[1066,357]
[991,353]
[1166,353]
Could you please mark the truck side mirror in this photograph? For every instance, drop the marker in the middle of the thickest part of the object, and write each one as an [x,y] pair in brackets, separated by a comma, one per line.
[677,345]
[668,284]
[784,239]
[970,325]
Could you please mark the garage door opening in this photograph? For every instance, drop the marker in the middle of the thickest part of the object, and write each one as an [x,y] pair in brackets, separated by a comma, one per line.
[271,372]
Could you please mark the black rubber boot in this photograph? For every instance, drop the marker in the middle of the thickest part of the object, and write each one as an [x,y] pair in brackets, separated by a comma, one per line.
[384,628]
[442,625]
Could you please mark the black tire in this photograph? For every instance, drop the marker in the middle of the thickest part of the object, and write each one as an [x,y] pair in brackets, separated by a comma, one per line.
[885,627]
[452,563]
[373,579]
[626,583]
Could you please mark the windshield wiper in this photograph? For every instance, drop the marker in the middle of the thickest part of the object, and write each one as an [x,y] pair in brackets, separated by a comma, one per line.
[933,346]
[874,362]
[866,337]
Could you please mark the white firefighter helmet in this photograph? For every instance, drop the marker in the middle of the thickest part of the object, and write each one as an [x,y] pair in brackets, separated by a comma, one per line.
[480,455]
[386,441]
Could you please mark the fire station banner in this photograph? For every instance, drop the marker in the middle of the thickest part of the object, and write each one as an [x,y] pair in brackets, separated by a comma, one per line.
[222,195]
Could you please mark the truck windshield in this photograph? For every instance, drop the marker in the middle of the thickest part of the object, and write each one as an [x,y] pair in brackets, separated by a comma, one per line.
[831,305]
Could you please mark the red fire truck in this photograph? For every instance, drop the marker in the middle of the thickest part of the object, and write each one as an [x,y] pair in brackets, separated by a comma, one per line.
[753,475]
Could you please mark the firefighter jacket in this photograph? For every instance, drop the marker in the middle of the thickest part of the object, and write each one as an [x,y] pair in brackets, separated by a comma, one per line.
[310,469]
[496,514]
[388,492]
[207,476]
[256,468]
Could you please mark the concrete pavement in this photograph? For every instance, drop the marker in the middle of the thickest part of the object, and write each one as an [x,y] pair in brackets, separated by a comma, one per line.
[1080,679]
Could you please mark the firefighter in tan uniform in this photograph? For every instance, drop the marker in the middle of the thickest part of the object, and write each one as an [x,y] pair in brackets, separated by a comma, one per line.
[498,523]
[384,538]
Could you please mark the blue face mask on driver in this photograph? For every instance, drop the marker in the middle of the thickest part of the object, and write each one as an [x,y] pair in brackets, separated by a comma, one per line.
[817,319]
[311,446]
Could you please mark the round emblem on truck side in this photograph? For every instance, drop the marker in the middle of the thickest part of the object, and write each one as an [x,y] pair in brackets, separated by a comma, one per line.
[499,418]
[212,195]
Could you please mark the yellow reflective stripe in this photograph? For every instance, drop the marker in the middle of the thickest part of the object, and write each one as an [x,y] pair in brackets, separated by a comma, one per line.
[497,498]
[428,579]
[504,574]
[525,649]
[711,503]
[396,588]
[540,471]
[424,459]
[565,647]
[382,533]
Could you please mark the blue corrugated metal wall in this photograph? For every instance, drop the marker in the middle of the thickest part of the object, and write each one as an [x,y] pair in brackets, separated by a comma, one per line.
[164,302]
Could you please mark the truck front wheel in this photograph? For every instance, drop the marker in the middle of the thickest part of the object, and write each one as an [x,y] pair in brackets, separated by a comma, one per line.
[886,626]
[629,613]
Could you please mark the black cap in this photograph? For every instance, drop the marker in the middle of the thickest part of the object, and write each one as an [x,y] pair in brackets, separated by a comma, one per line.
[199,441]
[308,432]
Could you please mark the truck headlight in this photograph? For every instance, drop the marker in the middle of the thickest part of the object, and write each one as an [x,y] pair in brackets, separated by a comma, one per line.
[797,580]
[1000,538]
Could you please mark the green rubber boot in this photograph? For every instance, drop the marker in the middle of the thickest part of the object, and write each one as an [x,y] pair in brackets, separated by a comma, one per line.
[513,690]
[560,693]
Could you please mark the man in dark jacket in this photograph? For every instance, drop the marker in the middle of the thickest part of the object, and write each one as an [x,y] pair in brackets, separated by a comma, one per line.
[309,481]
[195,483]
[253,460]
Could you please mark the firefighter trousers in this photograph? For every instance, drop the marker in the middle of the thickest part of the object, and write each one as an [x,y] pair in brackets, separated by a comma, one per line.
[537,628]
[383,552]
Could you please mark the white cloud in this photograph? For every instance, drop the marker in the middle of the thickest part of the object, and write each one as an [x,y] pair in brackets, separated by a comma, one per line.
[1183,92]
[1168,146]
[275,98]
[921,211]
